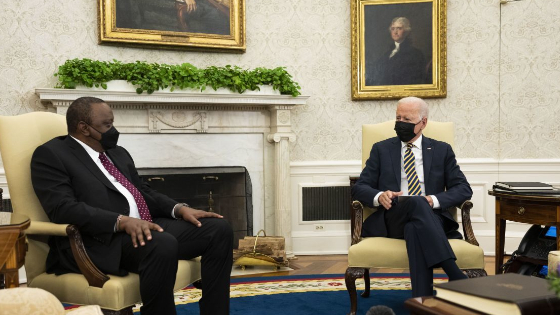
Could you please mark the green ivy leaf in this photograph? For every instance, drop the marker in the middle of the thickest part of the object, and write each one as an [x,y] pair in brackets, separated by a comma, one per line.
[151,77]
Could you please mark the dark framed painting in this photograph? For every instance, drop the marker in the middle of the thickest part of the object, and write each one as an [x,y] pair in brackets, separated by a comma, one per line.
[398,49]
[182,24]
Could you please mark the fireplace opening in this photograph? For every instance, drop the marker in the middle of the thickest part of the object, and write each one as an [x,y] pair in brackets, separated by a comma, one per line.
[225,190]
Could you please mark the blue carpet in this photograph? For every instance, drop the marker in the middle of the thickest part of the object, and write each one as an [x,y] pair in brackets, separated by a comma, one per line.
[337,302]
[311,294]
[313,303]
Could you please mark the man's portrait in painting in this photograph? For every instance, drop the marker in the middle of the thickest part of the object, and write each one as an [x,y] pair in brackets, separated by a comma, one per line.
[398,44]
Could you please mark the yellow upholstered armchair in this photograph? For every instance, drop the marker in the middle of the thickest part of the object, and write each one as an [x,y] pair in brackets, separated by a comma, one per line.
[19,136]
[381,252]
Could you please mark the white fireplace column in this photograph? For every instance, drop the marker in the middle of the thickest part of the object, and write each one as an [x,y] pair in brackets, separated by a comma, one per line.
[281,134]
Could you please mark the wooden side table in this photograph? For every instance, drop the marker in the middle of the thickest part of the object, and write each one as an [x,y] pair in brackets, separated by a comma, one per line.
[429,305]
[12,246]
[532,209]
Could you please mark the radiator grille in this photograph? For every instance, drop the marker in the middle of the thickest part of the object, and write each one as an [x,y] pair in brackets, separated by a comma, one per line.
[6,205]
[326,203]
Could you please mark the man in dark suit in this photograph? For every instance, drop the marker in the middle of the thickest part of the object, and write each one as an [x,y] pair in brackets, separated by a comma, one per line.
[425,169]
[85,179]
[402,63]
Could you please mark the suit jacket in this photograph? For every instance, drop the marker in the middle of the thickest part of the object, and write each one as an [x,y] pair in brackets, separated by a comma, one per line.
[442,178]
[407,66]
[73,190]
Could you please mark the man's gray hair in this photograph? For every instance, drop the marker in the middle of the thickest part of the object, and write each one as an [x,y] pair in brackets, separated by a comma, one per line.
[423,110]
[404,21]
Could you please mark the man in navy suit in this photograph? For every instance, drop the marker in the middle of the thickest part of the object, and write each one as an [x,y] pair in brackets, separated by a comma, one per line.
[436,184]
[86,179]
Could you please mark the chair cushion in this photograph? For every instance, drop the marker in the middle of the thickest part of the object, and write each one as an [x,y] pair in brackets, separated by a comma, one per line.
[116,294]
[382,252]
[188,272]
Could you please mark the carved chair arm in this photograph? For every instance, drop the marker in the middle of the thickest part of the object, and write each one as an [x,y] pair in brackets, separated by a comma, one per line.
[94,276]
[357,215]
[356,220]
[467,225]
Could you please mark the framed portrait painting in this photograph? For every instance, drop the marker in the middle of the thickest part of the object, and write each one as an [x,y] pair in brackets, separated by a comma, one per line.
[398,49]
[182,24]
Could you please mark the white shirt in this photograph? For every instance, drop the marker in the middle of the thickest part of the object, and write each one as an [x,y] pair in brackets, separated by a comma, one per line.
[125,192]
[394,52]
[419,165]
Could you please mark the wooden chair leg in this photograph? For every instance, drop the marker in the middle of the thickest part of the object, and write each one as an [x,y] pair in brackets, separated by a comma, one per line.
[124,311]
[350,277]
[366,282]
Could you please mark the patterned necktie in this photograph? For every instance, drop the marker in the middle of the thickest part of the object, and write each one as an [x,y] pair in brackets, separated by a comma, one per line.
[140,202]
[414,188]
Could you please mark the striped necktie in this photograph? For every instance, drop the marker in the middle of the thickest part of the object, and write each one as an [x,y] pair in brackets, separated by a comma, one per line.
[140,202]
[414,188]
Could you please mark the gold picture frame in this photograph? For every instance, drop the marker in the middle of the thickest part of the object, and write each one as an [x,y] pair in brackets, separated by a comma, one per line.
[417,67]
[175,24]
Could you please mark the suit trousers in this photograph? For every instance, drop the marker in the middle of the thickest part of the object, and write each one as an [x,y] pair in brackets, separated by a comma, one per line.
[156,263]
[423,230]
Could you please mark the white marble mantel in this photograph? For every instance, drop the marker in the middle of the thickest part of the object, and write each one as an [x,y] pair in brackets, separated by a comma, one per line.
[255,127]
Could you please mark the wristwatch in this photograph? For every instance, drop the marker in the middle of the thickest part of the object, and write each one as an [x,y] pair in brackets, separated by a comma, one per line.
[176,207]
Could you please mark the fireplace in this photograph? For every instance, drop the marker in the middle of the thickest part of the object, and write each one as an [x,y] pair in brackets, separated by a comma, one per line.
[223,190]
[181,130]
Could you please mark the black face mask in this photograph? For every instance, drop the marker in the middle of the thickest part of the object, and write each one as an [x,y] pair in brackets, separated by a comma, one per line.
[109,138]
[405,130]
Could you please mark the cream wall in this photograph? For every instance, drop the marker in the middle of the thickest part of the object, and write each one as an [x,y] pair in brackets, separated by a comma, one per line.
[503,78]
[512,117]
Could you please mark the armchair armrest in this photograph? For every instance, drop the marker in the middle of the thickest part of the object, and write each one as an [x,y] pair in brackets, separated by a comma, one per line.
[46,228]
[467,225]
[93,275]
[356,220]
[356,215]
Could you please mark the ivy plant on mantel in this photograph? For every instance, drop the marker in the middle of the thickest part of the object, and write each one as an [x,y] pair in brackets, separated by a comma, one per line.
[150,77]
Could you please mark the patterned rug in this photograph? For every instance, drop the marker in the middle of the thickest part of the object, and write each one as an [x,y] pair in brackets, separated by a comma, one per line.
[315,294]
